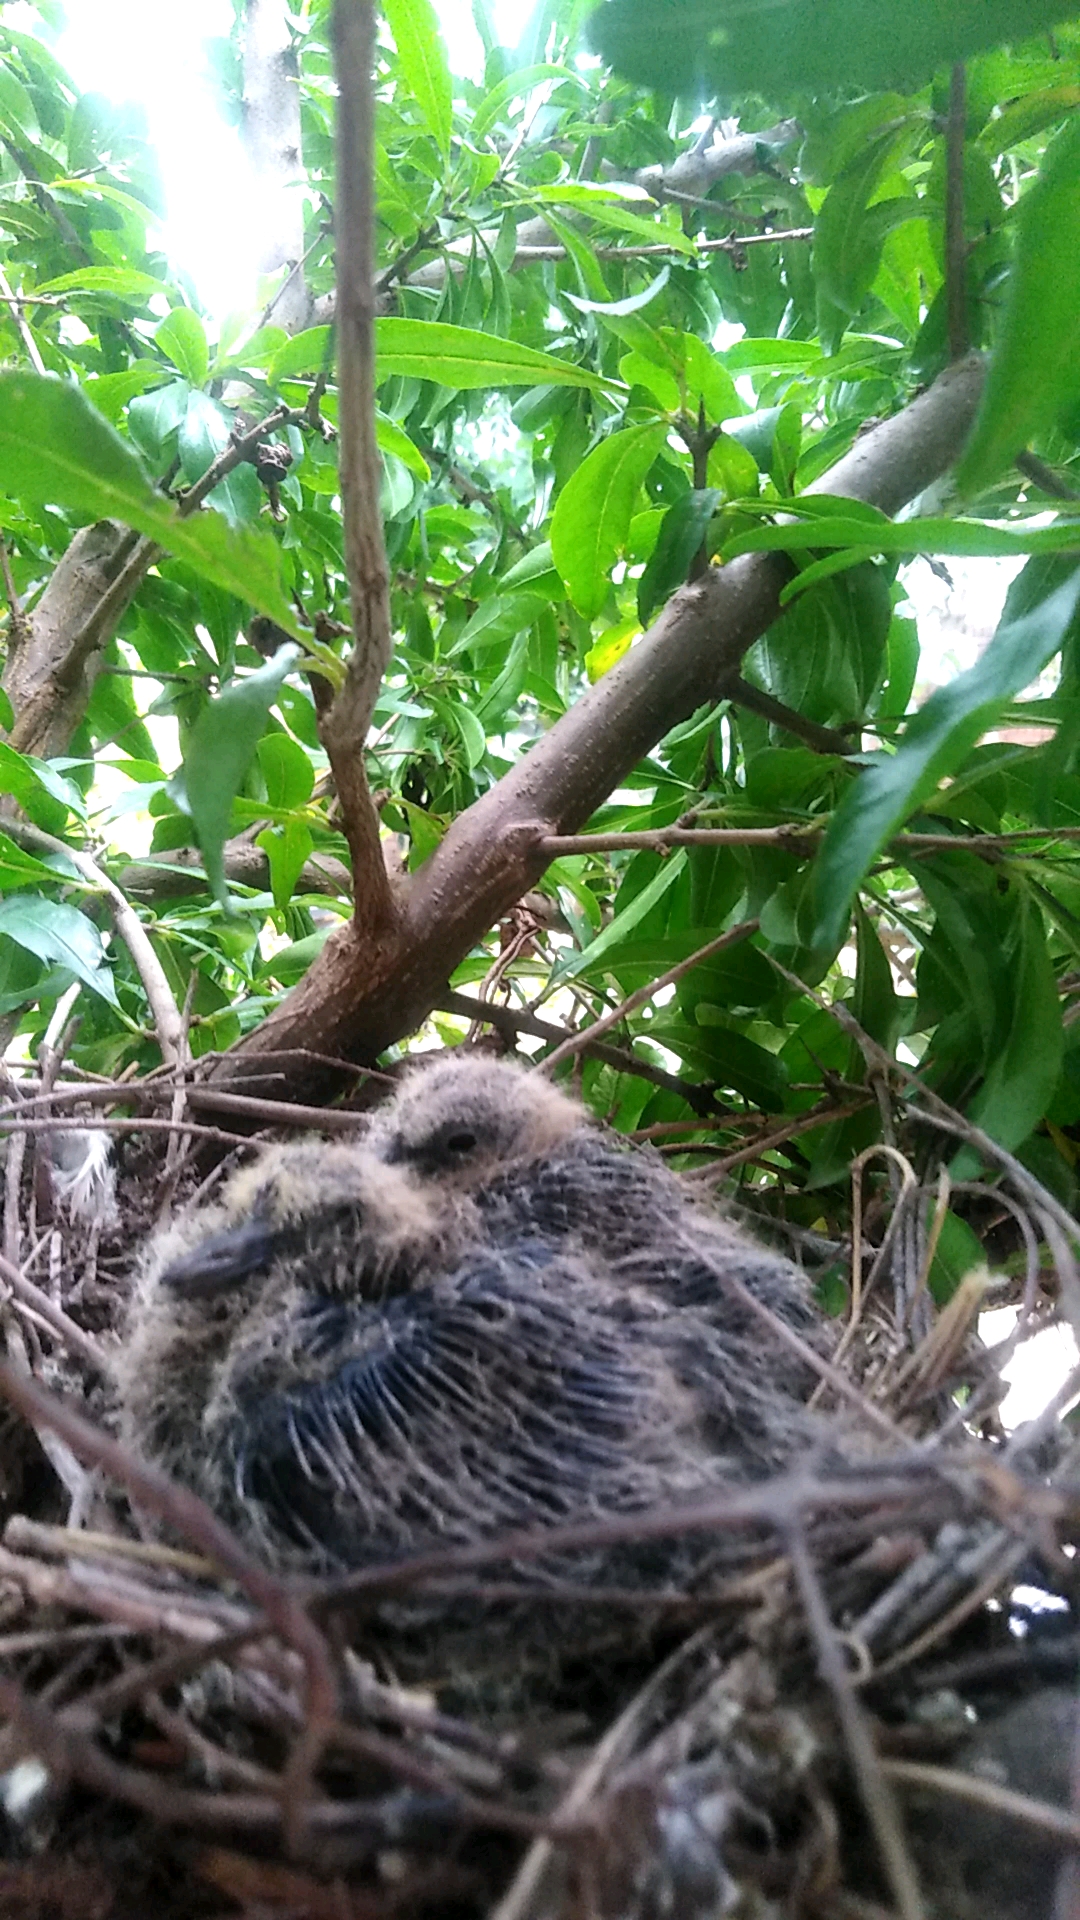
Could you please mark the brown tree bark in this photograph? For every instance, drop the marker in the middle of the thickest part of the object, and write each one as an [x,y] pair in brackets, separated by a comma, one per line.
[366,991]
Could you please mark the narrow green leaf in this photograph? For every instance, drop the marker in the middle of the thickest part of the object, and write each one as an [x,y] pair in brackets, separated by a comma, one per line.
[56,449]
[123,282]
[1015,1093]
[288,849]
[182,337]
[934,742]
[498,621]
[470,728]
[517,86]
[592,516]
[682,531]
[962,537]
[464,357]
[957,1254]
[614,935]
[847,247]
[1022,118]
[289,774]
[59,934]
[219,751]
[21,869]
[1034,370]
[422,61]
[393,439]
[633,302]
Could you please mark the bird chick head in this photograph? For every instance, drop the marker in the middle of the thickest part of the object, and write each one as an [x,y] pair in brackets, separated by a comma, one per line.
[271,1209]
[466,1119]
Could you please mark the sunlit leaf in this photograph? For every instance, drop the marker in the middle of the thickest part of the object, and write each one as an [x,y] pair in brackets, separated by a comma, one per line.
[415,27]
[691,47]
[56,449]
[182,337]
[934,742]
[592,517]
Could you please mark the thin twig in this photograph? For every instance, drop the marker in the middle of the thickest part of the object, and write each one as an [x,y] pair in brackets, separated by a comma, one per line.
[877,1797]
[1058,1822]
[18,624]
[955,246]
[189,1515]
[344,728]
[791,838]
[74,1337]
[168,1024]
[510,1021]
[11,301]
[576,1041]
[820,739]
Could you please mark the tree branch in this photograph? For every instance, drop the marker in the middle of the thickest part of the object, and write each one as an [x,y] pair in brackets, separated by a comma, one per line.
[362,995]
[344,728]
[955,244]
[756,700]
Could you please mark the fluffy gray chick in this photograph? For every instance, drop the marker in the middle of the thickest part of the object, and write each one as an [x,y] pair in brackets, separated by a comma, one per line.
[485,1316]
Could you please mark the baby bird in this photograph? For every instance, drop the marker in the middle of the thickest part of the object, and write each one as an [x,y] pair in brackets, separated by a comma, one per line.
[485,1315]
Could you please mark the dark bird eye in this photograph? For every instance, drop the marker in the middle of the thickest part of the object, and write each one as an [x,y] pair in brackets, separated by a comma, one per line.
[461,1142]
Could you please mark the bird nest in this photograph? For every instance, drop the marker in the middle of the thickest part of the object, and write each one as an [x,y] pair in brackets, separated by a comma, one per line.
[862,1710]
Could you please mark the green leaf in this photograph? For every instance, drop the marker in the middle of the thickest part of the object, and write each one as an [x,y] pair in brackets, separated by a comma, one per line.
[111,392]
[1017,1089]
[805,46]
[958,1253]
[123,282]
[517,86]
[615,933]
[935,741]
[182,337]
[1022,118]
[498,621]
[287,848]
[306,352]
[44,794]
[462,357]
[289,774]
[592,516]
[633,302]
[55,449]
[469,727]
[219,752]
[1034,370]
[682,531]
[609,649]
[21,869]
[58,933]
[291,963]
[422,61]
[872,533]
[393,439]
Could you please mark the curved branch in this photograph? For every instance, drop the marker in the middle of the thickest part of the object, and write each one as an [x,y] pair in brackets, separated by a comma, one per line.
[363,994]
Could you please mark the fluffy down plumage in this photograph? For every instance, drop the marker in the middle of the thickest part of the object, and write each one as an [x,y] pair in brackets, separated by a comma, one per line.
[486,1315]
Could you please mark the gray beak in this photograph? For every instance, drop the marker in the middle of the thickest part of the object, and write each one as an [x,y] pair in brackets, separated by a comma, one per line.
[223,1261]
